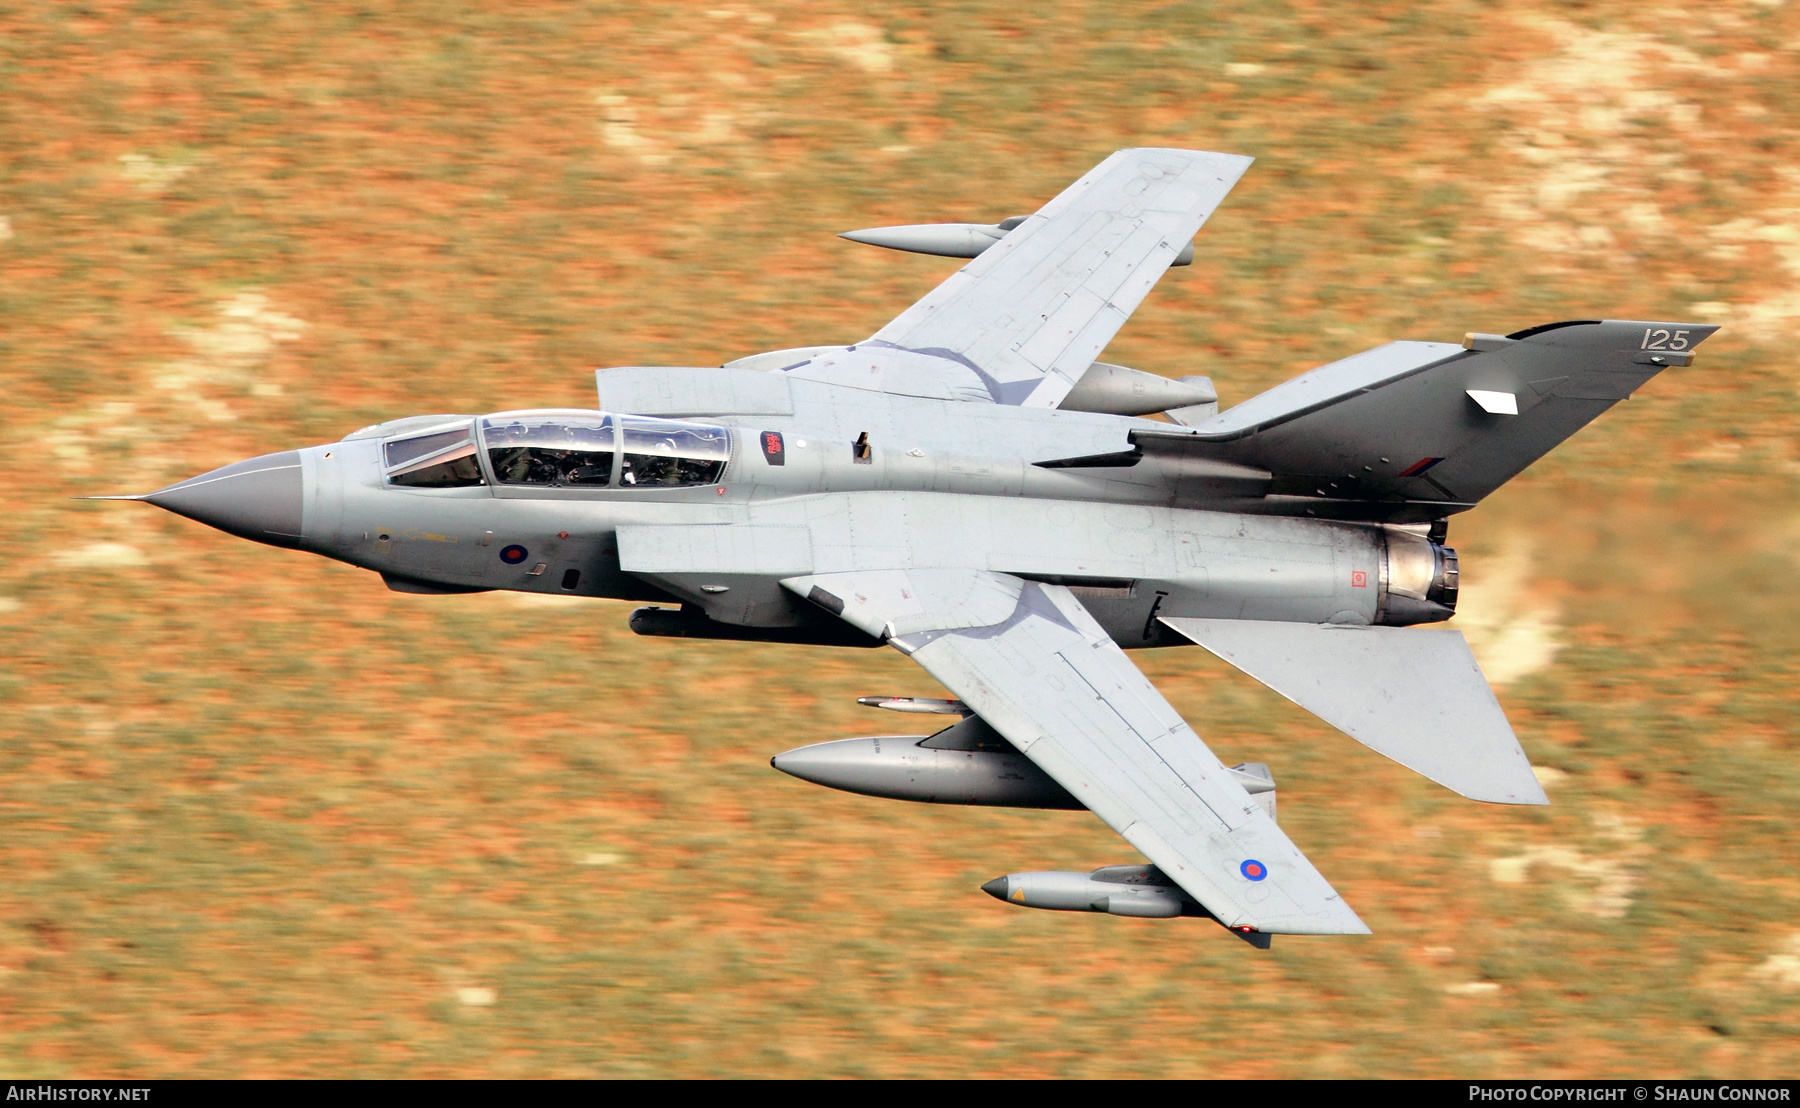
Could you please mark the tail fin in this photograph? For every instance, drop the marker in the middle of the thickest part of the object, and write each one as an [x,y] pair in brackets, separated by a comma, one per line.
[1413,431]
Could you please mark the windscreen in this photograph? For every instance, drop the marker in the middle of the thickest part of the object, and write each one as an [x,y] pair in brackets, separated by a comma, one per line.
[664,453]
[440,460]
[550,449]
[401,451]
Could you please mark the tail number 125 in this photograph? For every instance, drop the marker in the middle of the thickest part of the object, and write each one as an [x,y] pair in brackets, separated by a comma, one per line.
[1661,338]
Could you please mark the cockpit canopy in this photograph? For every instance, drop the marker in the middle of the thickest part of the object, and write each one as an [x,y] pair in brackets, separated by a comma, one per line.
[553,448]
[666,453]
[557,449]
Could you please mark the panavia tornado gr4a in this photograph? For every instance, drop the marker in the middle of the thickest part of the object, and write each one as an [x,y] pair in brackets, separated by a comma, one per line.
[970,487]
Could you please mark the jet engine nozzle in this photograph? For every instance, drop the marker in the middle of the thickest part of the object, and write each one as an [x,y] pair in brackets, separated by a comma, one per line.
[1419,580]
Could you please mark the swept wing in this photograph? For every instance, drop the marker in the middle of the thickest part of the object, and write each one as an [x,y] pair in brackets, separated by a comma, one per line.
[1034,311]
[1031,661]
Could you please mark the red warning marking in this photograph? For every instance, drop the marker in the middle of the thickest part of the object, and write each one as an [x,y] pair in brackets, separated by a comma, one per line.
[1419,467]
[1359,579]
[773,449]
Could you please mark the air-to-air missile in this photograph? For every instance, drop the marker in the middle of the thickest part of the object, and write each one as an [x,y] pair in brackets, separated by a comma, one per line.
[916,704]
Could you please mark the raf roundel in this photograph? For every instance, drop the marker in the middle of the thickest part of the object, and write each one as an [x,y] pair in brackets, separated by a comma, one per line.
[513,555]
[1254,870]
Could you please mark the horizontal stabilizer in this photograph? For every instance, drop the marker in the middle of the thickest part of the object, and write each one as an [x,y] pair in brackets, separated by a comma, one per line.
[1416,696]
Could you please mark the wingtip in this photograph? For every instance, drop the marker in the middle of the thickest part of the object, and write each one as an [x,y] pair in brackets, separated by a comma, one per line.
[1523,796]
[1330,916]
[1242,162]
[1344,923]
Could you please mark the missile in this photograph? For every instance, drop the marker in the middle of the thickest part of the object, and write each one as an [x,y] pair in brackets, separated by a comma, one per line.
[1140,891]
[916,704]
[1143,892]
[957,240]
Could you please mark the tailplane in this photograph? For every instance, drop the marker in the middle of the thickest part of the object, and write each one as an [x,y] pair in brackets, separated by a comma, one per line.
[1417,697]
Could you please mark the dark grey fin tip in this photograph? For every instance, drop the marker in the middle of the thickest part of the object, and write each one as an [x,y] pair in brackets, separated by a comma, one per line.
[1542,328]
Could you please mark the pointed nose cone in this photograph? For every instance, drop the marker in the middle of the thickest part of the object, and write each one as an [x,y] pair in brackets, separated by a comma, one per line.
[257,499]
[838,764]
[998,888]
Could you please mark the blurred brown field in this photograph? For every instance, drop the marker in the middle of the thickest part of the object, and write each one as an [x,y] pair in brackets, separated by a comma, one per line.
[260,816]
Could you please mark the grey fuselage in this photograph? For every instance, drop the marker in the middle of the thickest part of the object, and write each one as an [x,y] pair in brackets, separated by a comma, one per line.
[936,483]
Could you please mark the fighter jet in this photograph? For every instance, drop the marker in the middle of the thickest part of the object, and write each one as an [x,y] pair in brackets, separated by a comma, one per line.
[971,487]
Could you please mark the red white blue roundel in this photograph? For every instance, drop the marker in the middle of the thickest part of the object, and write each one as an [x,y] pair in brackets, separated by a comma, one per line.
[514,554]
[1254,870]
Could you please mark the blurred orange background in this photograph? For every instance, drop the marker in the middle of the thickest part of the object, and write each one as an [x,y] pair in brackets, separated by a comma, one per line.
[263,817]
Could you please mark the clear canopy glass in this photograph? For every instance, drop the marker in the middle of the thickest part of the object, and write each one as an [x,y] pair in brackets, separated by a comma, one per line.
[666,453]
[443,459]
[550,448]
[553,448]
